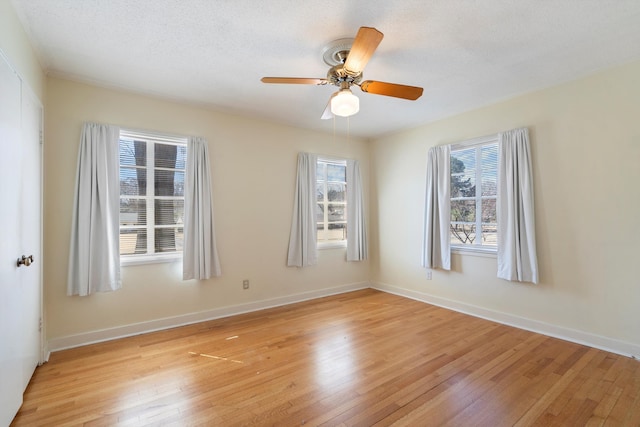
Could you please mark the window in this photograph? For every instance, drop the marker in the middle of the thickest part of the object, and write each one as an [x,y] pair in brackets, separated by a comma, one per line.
[474,178]
[152,171]
[331,191]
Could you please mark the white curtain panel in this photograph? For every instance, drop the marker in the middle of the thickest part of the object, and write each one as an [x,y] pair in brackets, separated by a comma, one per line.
[517,259]
[303,249]
[436,251]
[356,227]
[94,255]
[200,255]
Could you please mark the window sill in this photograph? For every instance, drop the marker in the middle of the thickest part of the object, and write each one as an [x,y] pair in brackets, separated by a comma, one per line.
[149,259]
[332,245]
[481,252]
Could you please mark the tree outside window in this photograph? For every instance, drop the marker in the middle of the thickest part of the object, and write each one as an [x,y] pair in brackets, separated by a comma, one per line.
[473,196]
[151,195]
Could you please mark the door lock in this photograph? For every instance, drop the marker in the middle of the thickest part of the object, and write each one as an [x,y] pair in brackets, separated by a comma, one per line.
[25,260]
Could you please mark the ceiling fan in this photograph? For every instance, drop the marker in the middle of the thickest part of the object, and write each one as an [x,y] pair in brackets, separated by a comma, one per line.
[347,59]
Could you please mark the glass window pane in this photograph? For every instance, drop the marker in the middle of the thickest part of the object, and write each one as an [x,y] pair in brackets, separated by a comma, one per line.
[320,233]
[489,210]
[320,212]
[126,152]
[489,235]
[169,239]
[481,160]
[336,192]
[320,170]
[320,191]
[169,212]
[133,153]
[133,212]
[167,189]
[181,158]
[336,212]
[169,156]
[169,183]
[463,173]
[133,241]
[178,184]
[336,172]
[489,155]
[463,210]
[462,234]
[331,186]
[133,181]
[337,231]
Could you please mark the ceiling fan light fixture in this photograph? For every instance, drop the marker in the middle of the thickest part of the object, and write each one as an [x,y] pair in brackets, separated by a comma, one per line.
[345,103]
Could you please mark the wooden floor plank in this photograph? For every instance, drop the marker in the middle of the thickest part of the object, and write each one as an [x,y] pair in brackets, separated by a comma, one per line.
[357,359]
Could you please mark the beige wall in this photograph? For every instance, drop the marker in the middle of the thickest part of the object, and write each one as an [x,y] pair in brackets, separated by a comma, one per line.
[586,150]
[16,47]
[253,172]
[586,158]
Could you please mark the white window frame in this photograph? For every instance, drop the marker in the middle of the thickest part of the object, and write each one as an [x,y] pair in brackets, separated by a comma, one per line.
[151,138]
[475,248]
[329,244]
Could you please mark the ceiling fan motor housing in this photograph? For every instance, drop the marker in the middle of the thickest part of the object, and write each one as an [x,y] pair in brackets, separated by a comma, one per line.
[337,74]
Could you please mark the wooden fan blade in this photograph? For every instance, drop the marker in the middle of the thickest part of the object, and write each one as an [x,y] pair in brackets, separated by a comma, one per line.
[294,80]
[391,89]
[327,114]
[366,42]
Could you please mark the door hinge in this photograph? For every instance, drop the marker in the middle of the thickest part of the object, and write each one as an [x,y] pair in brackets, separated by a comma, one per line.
[40,325]
[41,138]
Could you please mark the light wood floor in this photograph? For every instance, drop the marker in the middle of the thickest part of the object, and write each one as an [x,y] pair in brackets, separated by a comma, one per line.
[362,358]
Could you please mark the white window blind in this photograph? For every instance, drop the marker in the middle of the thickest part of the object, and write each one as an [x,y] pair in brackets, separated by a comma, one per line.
[152,171]
[331,192]
[474,173]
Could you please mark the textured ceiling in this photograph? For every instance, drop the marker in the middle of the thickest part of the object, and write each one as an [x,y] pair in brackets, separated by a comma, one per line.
[464,53]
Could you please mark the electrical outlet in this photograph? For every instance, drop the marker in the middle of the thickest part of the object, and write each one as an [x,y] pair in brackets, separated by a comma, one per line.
[245,284]
[429,275]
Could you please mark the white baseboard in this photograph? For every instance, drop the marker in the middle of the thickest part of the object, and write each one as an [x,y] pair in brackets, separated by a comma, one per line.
[592,340]
[92,337]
